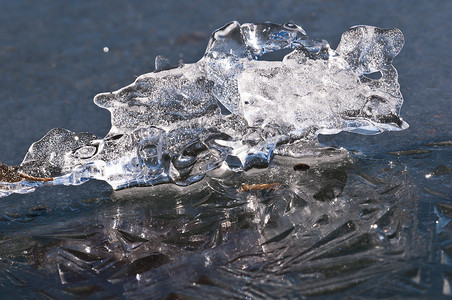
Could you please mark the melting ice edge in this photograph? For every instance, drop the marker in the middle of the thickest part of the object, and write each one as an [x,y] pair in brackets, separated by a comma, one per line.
[228,109]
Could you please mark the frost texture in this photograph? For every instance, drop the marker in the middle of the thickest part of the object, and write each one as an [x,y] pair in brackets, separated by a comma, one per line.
[230,108]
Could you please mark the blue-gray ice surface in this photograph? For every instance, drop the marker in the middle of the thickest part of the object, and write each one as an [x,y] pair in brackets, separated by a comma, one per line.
[228,109]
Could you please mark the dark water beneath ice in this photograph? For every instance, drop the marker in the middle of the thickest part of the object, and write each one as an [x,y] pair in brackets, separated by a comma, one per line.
[375,222]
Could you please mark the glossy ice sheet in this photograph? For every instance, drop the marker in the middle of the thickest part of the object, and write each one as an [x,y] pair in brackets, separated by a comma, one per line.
[332,227]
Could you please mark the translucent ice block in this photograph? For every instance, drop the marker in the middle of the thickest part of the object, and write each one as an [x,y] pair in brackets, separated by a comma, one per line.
[228,109]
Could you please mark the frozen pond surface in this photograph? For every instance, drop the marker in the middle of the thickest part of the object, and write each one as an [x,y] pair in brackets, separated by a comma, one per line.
[373,222]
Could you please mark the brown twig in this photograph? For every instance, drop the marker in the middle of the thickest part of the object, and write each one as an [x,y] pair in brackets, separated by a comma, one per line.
[35,178]
[265,186]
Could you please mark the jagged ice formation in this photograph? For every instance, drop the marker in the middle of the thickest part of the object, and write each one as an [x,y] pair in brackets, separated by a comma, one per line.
[228,109]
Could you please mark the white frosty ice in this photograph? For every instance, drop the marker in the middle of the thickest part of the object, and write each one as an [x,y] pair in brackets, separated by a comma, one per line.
[230,108]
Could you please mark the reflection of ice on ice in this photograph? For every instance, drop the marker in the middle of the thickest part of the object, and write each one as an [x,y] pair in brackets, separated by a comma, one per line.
[229,108]
[324,228]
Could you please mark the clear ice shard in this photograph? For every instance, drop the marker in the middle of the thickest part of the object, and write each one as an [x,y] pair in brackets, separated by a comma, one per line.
[230,108]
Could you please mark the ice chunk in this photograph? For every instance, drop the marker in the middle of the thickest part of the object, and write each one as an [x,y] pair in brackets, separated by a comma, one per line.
[229,108]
